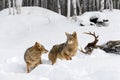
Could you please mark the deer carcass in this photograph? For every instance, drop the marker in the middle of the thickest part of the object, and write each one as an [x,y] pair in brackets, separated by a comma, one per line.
[90,46]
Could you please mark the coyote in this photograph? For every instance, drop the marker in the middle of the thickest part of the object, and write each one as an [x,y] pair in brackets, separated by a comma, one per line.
[65,50]
[32,56]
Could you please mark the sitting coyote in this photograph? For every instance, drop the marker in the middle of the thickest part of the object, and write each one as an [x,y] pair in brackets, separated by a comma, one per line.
[32,56]
[65,50]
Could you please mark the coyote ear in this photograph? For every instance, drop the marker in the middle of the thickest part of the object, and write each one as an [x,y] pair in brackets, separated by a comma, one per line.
[74,34]
[37,44]
[67,34]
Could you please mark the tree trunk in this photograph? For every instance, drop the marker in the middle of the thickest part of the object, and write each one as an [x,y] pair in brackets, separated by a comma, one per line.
[50,4]
[59,8]
[36,2]
[27,2]
[102,5]
[90,5]
[93,5]
[97,5]
[110,5]
[18,4]
[13,7]
[9,4]
[30,3]
[79,7]
[44,3]
[118,4]
[74,9]
[114,4]
[3,3]
[64,7]
[68,8]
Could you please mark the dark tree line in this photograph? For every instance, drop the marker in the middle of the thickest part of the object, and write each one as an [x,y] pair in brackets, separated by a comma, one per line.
[86,5]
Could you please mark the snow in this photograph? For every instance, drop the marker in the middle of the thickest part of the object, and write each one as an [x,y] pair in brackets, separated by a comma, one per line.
[19,32]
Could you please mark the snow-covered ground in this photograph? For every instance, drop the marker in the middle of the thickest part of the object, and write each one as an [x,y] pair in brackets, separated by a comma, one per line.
[19,32]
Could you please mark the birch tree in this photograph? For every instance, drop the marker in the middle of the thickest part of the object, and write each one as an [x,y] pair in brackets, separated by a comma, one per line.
[68,8]
[9,4]
[59,7]
[84,5]
[79,7]
[93,5]
[74,9]
[13,1]
[102,5]
[110,5]
[18,5]
[97,3]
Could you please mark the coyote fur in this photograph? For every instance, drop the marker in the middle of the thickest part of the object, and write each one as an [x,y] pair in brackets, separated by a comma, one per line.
[32,56]
[65,50]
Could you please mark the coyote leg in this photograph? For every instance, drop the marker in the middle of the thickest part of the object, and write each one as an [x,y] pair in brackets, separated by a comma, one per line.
[35,65]
[54,60]
[28,67]
[67,57]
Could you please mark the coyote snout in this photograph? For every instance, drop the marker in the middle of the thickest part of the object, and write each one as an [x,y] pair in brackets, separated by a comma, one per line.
[65,50]
[32,56]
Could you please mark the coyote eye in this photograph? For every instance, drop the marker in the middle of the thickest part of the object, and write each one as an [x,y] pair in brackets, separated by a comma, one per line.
[71,38]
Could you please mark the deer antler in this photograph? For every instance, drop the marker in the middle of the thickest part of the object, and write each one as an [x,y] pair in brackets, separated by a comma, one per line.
[85,52]
[93,34]
[81,50]
[90,46]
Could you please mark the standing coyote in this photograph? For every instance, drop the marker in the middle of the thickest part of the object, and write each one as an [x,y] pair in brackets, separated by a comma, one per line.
[32,56]
[65,50]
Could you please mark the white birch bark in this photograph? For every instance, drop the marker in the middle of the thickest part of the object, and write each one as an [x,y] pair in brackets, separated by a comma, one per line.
[18,5]
[110,5]
[68,8]
[13,7]
[107,4]
[59,7]
[75,10]
[9,4]
[94,5]
[78,4]
[102,5]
